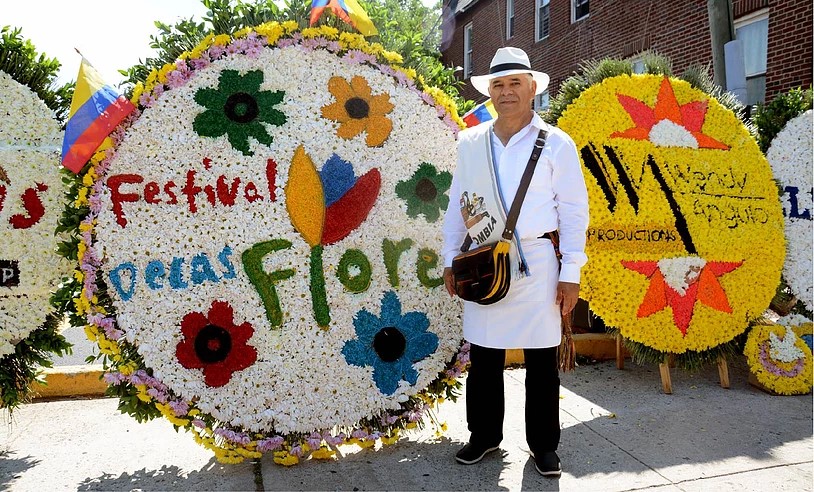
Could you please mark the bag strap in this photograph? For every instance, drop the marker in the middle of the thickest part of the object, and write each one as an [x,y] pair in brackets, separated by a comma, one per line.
[522,188]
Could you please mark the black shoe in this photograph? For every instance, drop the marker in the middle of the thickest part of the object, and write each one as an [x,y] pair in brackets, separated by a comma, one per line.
[472,453]
[548,464]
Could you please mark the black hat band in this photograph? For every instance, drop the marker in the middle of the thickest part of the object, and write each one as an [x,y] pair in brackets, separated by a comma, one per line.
[508,66]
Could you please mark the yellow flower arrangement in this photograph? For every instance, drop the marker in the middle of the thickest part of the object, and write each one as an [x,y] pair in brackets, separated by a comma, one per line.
[780,359]
[271,30]
[686,241]
[323,453]
[242,33]
[222,39]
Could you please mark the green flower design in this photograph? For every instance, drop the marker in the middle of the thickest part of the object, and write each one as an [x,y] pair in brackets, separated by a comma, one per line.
[238,108]
[426,192]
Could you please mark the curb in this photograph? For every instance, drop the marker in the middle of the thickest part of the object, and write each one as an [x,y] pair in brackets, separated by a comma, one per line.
[67,381]
[86,380]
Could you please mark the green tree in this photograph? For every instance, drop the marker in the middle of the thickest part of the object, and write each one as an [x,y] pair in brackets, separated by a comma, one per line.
[19,58]
[771,118]
[407,27]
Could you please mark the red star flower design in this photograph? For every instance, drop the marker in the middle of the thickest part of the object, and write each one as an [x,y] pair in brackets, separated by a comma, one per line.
[699,283]
[668,123]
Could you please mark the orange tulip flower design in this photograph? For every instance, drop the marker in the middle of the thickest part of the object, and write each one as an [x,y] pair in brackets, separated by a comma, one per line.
[324,207]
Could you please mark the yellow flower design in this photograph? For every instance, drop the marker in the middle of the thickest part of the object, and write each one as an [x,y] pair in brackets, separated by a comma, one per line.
[356,110]
[780,359]
[679,193]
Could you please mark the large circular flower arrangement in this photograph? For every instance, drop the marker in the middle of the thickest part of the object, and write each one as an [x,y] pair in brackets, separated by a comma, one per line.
[779,355]
[266,231]
[685,244]
[791,158]
[30,203]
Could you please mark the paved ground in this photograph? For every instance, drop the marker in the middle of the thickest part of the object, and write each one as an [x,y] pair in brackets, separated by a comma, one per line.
[620,432]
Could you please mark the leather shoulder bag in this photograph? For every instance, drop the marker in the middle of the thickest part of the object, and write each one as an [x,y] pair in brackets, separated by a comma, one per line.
[483,275]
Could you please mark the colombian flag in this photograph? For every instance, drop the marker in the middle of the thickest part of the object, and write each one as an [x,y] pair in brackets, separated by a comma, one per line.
[480,113]
[348,10]
[96,109]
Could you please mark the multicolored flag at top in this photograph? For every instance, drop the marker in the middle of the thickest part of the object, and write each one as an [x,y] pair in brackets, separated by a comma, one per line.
[348,10]
[96,109]
[481,113]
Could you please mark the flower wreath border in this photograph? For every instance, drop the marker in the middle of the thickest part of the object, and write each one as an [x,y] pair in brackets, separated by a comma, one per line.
[22,367]
[146,397]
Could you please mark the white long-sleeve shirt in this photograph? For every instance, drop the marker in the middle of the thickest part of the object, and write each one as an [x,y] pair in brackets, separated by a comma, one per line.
[556,199]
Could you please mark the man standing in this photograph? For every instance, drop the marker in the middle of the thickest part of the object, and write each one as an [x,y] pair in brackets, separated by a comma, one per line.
[529,317]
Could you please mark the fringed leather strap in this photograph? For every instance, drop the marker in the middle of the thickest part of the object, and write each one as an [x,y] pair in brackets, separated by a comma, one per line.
[566,353]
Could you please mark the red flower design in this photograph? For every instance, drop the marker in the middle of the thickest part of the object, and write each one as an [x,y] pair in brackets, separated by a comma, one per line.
[215,344]
[690,116]
[704,288]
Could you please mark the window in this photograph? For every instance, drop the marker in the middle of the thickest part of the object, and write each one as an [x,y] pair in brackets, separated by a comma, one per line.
[509,18]
[542,20]
[638,66]
[753,32]
[542,101]
[468,50]
[579,9]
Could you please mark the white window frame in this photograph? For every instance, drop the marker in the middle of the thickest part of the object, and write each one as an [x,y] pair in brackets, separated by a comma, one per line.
[468,32]
[574,10]
[538,101]
[509,19]
[757,16]
[538,20]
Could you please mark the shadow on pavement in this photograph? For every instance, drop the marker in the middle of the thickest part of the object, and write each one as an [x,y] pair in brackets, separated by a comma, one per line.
[13,467]
[700,424]
[409,465]
[170,478]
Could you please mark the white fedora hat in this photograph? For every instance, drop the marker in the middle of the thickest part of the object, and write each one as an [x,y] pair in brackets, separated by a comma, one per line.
[509,61]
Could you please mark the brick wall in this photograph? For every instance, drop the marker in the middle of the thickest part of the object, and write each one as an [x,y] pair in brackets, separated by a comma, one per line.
[789,62]
[623,28]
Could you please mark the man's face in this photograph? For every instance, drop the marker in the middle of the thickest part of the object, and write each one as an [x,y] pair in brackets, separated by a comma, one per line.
[512,94]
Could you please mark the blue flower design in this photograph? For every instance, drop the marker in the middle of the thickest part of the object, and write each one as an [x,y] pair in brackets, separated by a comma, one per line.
[391,343]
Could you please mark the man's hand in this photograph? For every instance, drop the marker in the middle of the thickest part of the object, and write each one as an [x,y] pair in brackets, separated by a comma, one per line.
[567,295]
[450,285]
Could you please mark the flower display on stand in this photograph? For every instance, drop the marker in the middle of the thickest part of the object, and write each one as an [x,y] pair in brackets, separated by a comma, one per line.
[779,355]
[790,156]
[31,196]
[684,245]
[268,288]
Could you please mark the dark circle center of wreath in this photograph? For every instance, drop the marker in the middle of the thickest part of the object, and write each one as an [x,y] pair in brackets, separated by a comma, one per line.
[425,190]
[357,108]
[213,344]
[241,107]
[389,343]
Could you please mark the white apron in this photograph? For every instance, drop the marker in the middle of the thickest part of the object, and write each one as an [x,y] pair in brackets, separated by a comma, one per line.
[528,316]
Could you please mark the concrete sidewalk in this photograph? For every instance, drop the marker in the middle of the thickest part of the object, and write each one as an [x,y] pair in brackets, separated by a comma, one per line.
[620,432]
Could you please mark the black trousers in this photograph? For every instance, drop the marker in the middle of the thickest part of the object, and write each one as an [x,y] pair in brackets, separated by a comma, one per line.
[485,398]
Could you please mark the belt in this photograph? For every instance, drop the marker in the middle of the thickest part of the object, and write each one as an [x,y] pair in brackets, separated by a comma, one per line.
[554,237]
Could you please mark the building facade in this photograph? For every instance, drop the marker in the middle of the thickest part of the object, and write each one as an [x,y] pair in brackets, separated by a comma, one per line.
[558,35]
